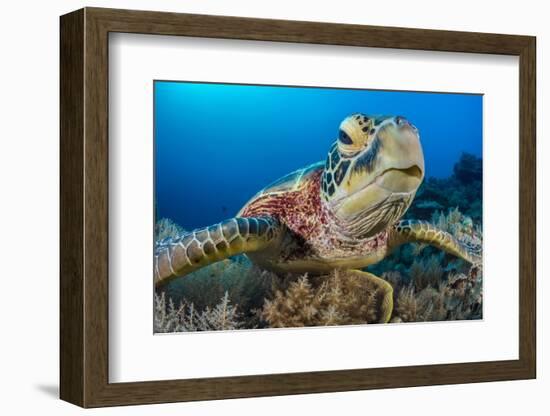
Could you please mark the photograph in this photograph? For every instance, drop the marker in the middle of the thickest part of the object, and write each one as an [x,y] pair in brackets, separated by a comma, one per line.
[298,206]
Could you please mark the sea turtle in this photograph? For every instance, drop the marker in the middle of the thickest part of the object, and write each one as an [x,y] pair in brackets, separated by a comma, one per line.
[343,213]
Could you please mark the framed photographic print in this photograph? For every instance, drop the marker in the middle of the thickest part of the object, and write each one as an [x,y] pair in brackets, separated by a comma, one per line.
[256,207]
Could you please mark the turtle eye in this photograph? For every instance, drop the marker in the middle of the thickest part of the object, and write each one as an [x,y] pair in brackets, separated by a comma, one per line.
[353,134]
[344,138]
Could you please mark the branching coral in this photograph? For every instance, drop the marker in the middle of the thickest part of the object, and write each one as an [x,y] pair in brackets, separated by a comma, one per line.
[166,317]
[245,284]
[166,228]
[426,272]
[413,306]
[343,297]
[459,225]
[185,318]
[464,295]
[458,298]
[406,306]
[450,222]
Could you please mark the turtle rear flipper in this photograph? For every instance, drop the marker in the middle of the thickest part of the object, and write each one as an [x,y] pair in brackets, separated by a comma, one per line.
[198,248]
[383,295]
[416,231]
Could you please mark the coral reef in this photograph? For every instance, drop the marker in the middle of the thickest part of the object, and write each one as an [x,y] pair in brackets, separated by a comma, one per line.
[429,285]
[341,298]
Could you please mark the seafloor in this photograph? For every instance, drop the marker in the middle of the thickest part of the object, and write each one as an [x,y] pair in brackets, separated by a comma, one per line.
[429,285]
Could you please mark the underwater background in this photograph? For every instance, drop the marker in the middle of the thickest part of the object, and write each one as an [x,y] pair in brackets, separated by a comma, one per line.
[217,145]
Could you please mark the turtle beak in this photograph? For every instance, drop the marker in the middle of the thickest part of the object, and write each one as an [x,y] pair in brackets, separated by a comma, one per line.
[401,149]
[400,180]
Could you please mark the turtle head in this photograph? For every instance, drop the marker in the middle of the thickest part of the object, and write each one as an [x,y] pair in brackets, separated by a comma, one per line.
[372,172]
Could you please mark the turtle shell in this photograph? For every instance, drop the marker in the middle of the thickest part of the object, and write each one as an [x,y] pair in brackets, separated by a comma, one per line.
[293,181]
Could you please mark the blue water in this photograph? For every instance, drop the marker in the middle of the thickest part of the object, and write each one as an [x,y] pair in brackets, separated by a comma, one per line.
[218,144]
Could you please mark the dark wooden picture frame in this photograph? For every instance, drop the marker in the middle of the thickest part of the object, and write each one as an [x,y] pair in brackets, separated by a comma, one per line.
[84,207]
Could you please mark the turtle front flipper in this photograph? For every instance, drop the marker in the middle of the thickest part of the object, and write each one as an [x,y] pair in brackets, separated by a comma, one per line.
[416,231]
[198,248]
